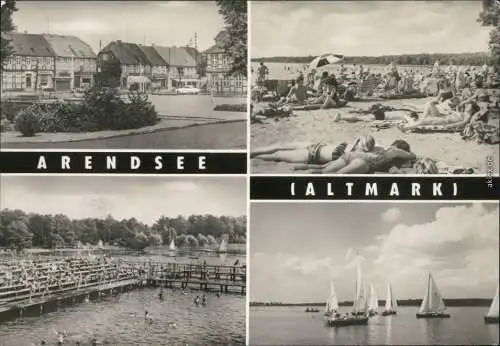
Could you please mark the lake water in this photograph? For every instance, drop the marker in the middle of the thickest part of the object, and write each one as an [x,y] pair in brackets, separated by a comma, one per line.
[293,326]
[197,106]
[120,320]
[291,71]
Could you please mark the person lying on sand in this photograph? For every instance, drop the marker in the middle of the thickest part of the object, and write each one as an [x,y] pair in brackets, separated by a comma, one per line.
[446,114]
[378,160]
[311,153]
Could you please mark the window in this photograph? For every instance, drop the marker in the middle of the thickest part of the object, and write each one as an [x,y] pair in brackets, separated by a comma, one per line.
[44,81]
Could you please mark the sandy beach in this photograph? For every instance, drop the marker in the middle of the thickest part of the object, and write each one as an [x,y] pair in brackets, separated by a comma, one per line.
[318,126]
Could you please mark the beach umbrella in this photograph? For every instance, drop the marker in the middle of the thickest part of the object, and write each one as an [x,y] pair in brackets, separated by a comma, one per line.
[325,59]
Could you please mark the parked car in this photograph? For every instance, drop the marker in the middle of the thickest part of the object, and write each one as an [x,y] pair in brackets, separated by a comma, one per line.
[188,90]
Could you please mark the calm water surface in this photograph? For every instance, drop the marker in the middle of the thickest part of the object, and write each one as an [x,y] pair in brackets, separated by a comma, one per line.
[293,326]
[120,320]
[197,106]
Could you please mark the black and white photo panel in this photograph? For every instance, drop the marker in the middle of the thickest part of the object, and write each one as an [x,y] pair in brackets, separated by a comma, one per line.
[375,87]
[373,273]
[122,260]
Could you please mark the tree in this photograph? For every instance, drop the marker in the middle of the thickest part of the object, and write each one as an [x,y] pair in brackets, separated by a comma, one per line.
[6,26]
[234,13]
[17,235]
[490,16]
[110,73]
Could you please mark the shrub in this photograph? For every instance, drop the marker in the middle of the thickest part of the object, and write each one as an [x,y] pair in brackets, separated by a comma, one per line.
[26,121]
[99,110]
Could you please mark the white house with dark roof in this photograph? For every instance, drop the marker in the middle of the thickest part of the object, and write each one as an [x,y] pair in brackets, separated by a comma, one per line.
[75,62]
[47,62]
[182,66]
[31,67]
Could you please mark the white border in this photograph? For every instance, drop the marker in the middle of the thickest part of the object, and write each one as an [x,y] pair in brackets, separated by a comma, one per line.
[131,150]
[248,174]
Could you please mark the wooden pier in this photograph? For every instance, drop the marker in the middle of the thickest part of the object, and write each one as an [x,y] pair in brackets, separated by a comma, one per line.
[210,278]
[50,285]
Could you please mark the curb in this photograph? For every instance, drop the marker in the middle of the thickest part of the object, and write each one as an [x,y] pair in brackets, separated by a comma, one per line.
[133,133]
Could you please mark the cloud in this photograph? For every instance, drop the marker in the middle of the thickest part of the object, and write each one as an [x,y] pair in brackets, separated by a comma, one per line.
[171,4]
[391,215]
[82,27]
[459,245]
[364,28]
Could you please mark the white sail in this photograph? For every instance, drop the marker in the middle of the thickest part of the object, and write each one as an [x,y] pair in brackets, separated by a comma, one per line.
[373,300]
[172,245]
[391,304]
[358,298]
[222,247]
[433,301]
[364,302]
[388,299]
[493,312]
[332,304]
[394,302]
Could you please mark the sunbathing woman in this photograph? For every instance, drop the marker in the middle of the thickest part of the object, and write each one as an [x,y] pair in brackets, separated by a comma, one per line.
[379,160]
[445,114]
[307,153]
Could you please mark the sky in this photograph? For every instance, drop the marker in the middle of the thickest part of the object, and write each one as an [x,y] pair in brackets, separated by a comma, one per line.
[164,23]
[297,248]
[145,198]
[354,28]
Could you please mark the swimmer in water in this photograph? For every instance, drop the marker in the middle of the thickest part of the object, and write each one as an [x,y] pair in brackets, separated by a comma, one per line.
[204,299]
[197,300]
[218,295]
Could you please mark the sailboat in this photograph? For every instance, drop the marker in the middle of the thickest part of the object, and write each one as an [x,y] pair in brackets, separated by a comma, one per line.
[222,247]
[492,316]
[372,302]
[332,304]
[359,315]
[432,304]
[171,249]
[391,304]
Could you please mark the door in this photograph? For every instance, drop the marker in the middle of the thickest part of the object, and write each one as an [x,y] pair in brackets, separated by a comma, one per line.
[29,84]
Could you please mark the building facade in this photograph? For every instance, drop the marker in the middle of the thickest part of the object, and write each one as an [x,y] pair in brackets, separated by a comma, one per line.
[47,62]
[75,62]
[151,67]
[218,66]
[31,67]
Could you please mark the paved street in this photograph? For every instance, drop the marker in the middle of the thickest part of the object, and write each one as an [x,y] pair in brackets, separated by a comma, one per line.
[211,136]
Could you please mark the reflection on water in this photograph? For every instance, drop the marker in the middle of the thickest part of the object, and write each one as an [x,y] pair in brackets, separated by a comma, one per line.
[120,321]
[291,325]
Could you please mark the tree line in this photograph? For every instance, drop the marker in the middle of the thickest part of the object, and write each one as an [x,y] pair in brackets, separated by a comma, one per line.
[472,59]
[401,302]
[20,230]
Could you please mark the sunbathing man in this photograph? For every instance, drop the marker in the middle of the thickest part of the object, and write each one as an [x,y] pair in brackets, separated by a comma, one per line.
[307,153]
[297,93]
[445,114]
[378,160]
